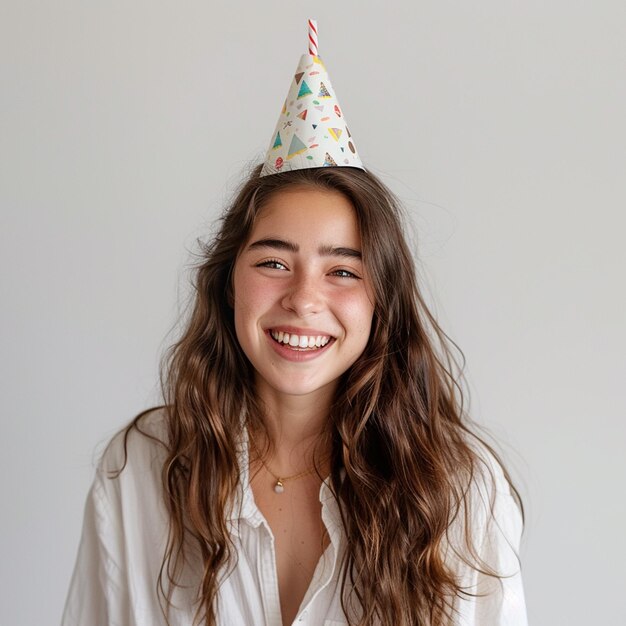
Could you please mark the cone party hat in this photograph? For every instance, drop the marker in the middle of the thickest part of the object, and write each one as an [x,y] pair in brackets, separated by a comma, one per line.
[311,130]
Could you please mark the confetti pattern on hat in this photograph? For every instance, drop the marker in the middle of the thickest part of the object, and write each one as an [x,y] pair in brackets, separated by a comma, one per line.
[311,130]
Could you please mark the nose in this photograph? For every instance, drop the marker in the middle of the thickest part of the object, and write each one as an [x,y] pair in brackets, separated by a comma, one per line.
[303,297]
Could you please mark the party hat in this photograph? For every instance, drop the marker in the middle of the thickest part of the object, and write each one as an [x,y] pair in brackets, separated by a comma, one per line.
[311,130]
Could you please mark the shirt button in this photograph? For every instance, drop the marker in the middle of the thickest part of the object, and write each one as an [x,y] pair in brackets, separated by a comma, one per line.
[302,617]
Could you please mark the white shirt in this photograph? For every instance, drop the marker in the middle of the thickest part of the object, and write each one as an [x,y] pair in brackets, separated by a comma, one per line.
[125,533]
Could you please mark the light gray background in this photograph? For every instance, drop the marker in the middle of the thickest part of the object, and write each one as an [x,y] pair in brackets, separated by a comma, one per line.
[125,125]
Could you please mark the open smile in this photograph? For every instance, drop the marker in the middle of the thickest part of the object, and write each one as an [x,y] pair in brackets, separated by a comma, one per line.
[300,342]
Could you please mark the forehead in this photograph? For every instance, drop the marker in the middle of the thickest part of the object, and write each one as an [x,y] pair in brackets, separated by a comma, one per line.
[309,213]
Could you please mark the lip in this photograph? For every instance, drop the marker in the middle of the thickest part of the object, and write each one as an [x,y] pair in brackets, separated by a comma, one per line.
[296,356]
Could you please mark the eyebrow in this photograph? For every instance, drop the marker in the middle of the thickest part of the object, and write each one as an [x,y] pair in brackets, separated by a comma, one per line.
[289,246]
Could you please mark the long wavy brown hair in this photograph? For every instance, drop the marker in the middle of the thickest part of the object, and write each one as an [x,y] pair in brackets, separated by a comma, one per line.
[397,424]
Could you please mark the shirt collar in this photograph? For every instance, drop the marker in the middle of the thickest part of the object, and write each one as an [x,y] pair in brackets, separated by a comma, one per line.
[245,509]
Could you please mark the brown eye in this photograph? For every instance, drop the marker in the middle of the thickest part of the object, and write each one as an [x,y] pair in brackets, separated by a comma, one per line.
[344,274]
[272,264]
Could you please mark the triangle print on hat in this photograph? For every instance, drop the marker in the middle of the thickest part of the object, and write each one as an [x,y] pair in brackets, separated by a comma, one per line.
[311,130]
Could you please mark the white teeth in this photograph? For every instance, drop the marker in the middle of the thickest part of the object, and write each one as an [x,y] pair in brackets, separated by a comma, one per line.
[301,342]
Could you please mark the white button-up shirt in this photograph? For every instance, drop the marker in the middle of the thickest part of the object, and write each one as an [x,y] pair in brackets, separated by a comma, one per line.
[125,533]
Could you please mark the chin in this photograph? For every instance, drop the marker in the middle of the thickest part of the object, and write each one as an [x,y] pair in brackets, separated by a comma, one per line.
[286,387]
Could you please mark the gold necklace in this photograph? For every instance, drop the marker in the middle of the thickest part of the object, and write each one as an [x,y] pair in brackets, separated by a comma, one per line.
[279,486]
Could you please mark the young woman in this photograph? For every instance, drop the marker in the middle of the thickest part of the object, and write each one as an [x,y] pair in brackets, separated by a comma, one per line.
[312,463]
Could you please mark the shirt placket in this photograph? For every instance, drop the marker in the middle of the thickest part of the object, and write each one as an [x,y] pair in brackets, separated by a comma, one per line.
[268,576]
[325,570]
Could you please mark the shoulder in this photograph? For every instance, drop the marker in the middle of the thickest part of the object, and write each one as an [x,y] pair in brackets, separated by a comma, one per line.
[139,447]
[490,481]
[128,486]
[489,567]
[489,514]
[125,530]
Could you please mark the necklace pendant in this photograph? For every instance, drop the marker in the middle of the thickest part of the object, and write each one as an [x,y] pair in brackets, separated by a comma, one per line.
[278,487]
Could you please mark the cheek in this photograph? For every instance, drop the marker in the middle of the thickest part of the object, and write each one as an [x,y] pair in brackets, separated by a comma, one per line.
[242,303]
[357,313]
[243,288]
[251,299]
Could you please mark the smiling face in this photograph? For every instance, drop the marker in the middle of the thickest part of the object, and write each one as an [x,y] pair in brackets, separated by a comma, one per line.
[302,302]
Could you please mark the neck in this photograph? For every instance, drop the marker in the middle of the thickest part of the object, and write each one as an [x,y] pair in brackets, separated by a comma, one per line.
[296,426]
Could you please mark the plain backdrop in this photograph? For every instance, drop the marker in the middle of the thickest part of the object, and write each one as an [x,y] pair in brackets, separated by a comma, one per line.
[124,128]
